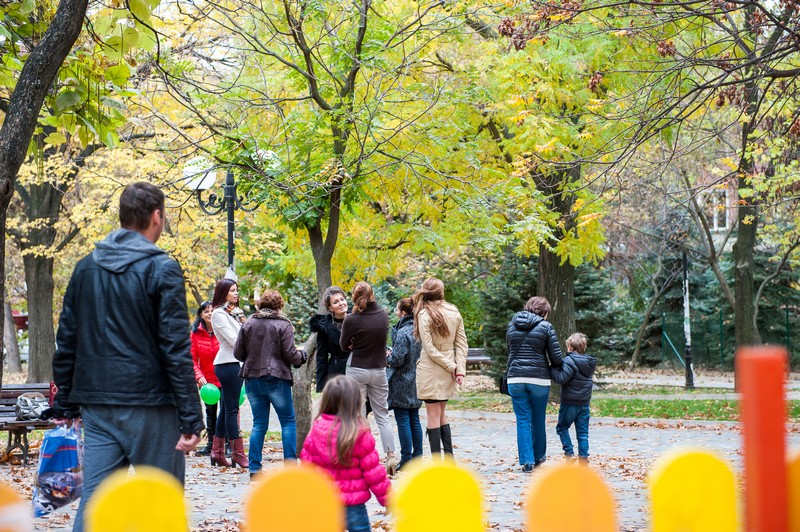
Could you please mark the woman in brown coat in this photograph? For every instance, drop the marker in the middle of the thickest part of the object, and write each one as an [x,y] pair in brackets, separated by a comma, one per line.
[443,361]
[266,347]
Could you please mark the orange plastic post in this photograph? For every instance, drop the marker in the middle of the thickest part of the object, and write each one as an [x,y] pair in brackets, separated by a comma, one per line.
[761,372]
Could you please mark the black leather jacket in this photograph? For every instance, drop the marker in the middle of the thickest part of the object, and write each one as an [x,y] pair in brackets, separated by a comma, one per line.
[123,335]
[331,359]
[532,346]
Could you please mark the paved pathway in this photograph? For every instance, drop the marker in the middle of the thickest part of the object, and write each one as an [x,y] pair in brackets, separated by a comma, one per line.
[622,450]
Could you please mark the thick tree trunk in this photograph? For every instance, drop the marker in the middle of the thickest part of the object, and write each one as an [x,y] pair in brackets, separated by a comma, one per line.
[41,335]
[557,284]
[34,81]
[556,280]
[42,205]
[744,265]
[10,341]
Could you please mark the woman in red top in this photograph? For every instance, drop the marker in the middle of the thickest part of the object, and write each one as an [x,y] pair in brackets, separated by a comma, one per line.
[204,348]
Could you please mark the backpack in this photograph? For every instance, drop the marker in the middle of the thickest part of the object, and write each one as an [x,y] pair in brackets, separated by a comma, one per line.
[30,406]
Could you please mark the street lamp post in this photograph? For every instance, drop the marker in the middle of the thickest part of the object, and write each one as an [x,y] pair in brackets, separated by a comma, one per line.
[202,179]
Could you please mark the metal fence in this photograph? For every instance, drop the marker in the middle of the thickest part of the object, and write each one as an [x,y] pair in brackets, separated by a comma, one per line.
[713,340]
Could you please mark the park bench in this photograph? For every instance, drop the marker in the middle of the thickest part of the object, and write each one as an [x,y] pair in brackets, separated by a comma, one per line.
[18,430]
[476,358]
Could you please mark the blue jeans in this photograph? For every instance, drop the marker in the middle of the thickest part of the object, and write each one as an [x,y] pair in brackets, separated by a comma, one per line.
[567,415]
[261,392]
[409,431]
[358,518]
[530,402]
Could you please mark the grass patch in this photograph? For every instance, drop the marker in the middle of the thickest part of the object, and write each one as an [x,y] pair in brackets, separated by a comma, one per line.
[272,435]
[645,389]
[691,409]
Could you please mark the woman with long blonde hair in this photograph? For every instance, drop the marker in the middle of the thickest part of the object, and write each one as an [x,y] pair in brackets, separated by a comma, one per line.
[443,361]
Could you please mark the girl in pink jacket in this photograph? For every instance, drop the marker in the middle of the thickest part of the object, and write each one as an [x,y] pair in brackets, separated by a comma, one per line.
[341,443]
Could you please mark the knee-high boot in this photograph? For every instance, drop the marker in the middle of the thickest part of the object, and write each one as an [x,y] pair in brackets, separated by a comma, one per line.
[218,452]
[239,457]
[447,439]
[435,439]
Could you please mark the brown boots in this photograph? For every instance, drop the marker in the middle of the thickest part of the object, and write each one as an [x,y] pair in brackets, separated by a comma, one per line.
[239,457]
[218,453]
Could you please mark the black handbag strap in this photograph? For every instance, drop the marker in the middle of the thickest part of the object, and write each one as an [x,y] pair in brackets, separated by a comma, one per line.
[508,363]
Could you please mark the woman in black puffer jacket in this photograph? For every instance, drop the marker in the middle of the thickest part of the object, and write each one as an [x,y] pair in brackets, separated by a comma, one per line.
[532,350]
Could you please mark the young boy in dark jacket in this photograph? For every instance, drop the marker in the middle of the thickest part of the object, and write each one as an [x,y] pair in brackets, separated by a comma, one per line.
[575,378]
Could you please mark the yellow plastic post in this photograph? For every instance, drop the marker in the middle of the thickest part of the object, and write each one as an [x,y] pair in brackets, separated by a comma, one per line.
[551,502]
[793,475]
[295,499]
[437,497]
[692,490]
[15,514]
[148,500]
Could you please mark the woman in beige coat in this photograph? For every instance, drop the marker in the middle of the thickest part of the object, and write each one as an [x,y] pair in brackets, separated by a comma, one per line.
[443,361]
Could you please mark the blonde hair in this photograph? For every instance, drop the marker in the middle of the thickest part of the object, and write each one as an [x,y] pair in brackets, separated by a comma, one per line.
[362,294]
[341,397]
[430,297]
[577,342]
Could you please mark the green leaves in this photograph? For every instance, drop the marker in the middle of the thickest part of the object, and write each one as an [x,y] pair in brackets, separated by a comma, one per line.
[118,75]
[67,100]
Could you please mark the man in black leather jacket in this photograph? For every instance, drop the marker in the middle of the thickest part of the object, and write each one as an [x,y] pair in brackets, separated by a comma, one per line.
[122,361]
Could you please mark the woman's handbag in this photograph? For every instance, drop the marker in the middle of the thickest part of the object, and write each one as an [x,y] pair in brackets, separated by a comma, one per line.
[504,385]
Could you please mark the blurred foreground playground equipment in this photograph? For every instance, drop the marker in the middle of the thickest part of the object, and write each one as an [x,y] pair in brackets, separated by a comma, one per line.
[689,490]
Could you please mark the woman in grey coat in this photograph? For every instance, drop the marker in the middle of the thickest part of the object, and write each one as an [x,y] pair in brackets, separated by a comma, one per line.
[402,376]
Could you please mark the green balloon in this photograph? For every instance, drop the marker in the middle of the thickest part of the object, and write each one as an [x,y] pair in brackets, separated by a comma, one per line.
[209,394]
[242,396]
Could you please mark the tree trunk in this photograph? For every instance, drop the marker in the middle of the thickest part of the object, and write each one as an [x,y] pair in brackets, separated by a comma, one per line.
[302,389]
[42,205]
[642,330]
[41,332]
[10,341]
[322,250]
[33,84]
[557,284]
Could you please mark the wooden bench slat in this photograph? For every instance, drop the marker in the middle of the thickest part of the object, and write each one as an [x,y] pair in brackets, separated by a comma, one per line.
[18,429]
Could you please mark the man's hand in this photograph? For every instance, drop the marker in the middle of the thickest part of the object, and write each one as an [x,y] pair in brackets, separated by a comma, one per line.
[65,421]
[187,442]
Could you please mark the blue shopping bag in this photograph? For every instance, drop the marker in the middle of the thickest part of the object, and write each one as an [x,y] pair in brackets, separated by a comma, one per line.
[59,479]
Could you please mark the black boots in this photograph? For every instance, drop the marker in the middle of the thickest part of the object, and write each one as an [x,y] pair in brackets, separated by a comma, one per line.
[435,439]
[209,445]
[440,439]
[447,439]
